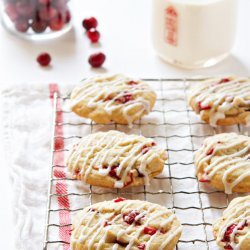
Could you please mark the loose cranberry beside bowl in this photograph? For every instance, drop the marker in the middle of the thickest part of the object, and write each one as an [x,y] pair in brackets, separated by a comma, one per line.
[37,19]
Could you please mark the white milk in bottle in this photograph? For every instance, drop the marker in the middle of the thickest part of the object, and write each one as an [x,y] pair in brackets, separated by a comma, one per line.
[194,33]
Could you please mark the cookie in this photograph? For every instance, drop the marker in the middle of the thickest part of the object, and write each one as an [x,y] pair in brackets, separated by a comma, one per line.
[222,101]
[115,160]
[107,98]
[224,162]
[232,231]
[125,224]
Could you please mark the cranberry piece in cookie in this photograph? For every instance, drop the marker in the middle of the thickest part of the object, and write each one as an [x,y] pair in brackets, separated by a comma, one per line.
[111,223]
[149,230]
[119,199]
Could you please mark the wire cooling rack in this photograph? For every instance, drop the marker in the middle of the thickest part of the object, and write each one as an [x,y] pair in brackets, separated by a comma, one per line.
[174,126]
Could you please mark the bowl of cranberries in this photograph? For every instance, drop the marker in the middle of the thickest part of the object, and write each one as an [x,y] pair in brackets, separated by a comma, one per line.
[37,19]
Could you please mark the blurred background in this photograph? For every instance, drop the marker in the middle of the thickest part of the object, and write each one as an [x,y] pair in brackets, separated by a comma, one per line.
[125,28]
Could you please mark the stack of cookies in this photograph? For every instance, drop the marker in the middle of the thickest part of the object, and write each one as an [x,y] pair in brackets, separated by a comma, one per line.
[116,160]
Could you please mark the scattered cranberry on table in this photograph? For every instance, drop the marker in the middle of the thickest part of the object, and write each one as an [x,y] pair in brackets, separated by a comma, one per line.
[44,59]
[89,23]
[96,60]
[38,15]
[93,35]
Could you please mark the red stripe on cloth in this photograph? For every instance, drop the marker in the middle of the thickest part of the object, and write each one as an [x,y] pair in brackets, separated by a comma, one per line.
[61,186]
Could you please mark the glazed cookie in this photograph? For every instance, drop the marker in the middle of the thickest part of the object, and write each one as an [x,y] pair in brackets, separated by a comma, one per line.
[232,231]
[224,162]
[222,101]
[114,159]
[108,98]
[125,224]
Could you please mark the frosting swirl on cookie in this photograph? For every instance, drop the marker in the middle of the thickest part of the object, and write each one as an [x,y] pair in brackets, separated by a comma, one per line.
[115,95]
[218,99]
[224,160]
[124,159]
[232,231]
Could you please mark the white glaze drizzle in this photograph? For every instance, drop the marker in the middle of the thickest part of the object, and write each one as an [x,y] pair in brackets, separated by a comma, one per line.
[91,236]
[115,247]
[231,161]
[100,88]
[238,212]
[170,237]
[222,97]
[114,139]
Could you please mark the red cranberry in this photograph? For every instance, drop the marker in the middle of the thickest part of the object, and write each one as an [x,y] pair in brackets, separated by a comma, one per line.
[11,11]
[89,23]
[45,2]
[22,25]
[56,23]
[93,35]
[119,199]
[149,230]
[132,83]
[145,149]
[124,99]
[228,232]
[25,9]
[67,16]
[210,151]
[107,223]
[207,107]
[129,218]
[224,80]
[96,60]
[44,59]
[130,181]
[47,13]
[113,173]
[226,237]
[141,246]
[39,26]
[228,247]
[77,171]
[204,180]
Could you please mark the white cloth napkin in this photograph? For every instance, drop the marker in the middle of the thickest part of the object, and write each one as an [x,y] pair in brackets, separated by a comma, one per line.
[27,126]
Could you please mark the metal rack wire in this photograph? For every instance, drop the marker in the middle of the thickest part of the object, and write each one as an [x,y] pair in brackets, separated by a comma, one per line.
[197,233]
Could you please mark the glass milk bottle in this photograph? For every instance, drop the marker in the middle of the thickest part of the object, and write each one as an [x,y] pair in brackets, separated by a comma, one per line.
[193,33]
